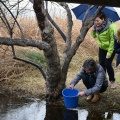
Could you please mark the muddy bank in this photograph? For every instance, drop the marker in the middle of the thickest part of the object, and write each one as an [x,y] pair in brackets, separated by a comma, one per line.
[110,100]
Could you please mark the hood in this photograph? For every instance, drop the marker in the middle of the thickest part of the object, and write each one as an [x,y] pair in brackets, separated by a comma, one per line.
[109,22]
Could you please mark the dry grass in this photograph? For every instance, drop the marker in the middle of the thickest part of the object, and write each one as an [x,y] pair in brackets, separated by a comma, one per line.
[24,78]
[21,77]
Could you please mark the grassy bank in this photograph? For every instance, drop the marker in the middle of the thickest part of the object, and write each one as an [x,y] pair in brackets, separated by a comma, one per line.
[26,80]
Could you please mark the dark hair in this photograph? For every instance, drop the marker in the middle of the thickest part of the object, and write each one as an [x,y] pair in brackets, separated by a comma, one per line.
[91,64]
[101,15]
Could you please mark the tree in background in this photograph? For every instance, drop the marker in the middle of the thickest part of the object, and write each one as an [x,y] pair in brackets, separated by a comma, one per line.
[56,71]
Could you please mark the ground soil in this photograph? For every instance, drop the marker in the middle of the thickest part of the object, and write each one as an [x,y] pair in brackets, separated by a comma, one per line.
[110,99]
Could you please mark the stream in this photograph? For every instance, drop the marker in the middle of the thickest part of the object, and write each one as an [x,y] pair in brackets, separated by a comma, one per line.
[13,108]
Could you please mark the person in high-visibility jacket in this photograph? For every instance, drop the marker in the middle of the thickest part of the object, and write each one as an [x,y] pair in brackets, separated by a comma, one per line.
[104,30]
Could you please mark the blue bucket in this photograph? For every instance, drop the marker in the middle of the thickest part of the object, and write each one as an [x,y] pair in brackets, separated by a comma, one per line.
[70,97]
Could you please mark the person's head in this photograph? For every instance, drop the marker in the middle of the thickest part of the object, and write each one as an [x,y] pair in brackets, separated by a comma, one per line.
[90,66]
[100,19]
[118,35]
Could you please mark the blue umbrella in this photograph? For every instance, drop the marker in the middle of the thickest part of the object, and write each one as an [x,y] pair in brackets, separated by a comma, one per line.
[80,11]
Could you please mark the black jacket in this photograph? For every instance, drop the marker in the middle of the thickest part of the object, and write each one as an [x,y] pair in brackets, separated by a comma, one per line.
[117,50]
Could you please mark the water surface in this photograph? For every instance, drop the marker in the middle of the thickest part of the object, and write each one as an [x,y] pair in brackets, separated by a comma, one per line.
[13,108]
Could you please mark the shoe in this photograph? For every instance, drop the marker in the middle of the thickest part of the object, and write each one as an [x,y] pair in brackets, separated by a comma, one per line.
[112,85]
[89,98]
[96,97]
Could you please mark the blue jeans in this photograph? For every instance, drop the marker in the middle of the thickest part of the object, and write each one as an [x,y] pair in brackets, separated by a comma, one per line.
[90,80]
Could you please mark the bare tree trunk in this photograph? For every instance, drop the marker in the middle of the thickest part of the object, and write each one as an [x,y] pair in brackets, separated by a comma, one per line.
[53,71]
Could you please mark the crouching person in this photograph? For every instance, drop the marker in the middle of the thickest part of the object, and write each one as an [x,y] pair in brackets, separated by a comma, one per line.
[94,78]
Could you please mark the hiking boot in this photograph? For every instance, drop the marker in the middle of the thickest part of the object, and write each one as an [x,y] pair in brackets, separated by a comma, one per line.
[96,97]
[89,98]
[112,85]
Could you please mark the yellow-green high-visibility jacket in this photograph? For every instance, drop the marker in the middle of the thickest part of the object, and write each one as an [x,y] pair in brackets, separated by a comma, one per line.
[105,38]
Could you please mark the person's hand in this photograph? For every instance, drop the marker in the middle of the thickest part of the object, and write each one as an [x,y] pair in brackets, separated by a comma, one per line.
[71,86]
[82,93]
[93,28]
[108,56]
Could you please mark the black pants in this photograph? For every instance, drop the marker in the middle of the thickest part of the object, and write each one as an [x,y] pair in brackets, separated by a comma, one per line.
[89,82]
[107,63]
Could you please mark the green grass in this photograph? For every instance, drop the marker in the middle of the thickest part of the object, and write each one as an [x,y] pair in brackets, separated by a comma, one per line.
[118,79]
[35,57]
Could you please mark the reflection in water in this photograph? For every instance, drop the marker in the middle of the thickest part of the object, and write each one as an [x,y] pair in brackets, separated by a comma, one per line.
[112,116]
[34,111]
[54,112]
[70,114]
[75,114]
[82,114]
[20,109]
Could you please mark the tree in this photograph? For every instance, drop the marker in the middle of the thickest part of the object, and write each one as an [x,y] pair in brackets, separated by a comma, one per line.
[56,72]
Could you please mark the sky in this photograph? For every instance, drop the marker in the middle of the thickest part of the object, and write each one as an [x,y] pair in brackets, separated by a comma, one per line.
[54,9]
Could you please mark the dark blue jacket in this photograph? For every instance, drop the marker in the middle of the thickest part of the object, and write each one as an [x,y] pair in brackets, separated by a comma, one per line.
[117,50]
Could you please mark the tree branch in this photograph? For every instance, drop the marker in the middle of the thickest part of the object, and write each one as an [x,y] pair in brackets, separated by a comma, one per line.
[54,24]
[32,63]
[57,27]
[66,60]
[69,26]
[13,18]
[24,43]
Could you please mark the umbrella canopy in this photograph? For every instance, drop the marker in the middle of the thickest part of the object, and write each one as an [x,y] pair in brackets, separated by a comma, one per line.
[80,11]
